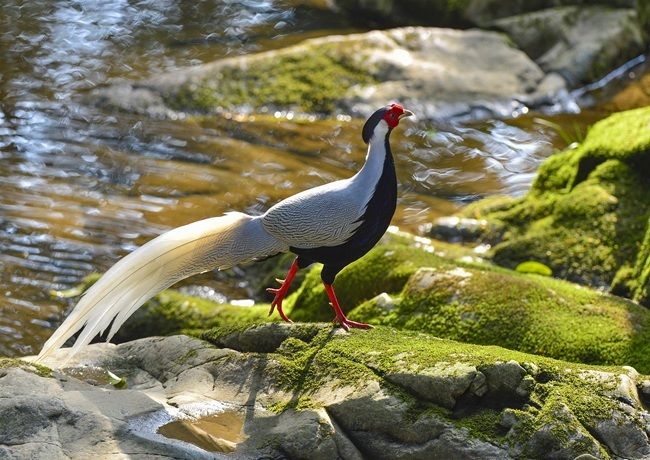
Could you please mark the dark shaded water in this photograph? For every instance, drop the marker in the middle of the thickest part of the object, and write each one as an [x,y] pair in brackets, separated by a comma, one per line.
[80,187]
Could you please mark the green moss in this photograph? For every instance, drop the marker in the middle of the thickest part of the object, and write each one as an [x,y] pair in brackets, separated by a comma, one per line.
[530,313]
[38,369]
[386,268]
[309,79]
[171,312]
[484,424]
[587,213]
[304,367]
[334,359]
[535,268]
[302,403]
[640,285]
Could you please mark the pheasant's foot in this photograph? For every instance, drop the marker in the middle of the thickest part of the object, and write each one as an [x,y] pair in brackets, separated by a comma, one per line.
[281,292]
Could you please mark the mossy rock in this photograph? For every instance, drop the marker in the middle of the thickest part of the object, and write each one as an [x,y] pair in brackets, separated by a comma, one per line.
[38,369]
[348,74]
[587,213]
[639,281]
[530,313]
[483,304]
[403,383]
[309,79]
[173,312]
[386,268]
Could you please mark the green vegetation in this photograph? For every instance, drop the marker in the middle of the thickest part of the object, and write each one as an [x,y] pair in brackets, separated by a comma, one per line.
[587,213]
[532,267]
[639,282]
[312,80]
[37,369]
[486,305]
[386,268]
[171,312]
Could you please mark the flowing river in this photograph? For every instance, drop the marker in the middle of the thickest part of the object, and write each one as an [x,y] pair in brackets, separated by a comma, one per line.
[80,187]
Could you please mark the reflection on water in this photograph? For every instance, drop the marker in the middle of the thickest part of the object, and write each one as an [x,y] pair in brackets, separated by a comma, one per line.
[215,433]
[79,187]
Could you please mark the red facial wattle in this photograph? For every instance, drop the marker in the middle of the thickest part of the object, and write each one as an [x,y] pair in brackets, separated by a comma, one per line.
[394,113]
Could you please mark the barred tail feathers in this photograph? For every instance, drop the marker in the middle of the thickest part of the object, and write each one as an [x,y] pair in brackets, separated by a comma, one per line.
[218,242]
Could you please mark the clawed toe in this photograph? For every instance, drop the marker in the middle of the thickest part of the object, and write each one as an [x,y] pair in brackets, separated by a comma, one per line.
[347,324]
[281,292]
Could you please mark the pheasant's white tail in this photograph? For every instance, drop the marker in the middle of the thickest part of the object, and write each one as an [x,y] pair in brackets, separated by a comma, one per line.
[219,242]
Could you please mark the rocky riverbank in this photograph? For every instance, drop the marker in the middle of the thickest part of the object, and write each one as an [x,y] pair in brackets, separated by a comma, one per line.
[521,60]
[477,352]
[310,391]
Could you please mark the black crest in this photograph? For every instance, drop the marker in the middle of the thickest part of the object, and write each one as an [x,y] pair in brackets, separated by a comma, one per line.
[371,123]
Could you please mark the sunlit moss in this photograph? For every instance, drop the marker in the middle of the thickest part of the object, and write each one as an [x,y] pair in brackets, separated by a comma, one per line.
[386,268]
[171,312]
[38,369]
[587,213]
[311,79]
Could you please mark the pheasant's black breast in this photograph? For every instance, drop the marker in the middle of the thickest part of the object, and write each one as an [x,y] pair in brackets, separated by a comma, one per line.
[374,222]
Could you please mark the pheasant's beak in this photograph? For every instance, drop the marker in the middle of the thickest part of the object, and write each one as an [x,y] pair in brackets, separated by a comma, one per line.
[407,113]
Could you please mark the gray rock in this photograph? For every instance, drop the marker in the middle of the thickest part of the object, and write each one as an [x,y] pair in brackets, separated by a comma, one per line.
[504,378]
[484,12]
[442,384]
[582,44]
[562,436]
[623,435]
[315,399]
[438,73]
[456,229]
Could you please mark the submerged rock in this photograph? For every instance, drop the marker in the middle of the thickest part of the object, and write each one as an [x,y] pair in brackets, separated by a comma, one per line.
[437,73]
[587,214]
[456,229]
[379,394]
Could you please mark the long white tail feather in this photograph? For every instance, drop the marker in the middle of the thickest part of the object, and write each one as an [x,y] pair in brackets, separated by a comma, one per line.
[219,242]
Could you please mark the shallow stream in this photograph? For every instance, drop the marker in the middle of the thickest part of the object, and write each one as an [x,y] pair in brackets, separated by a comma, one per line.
[80,187]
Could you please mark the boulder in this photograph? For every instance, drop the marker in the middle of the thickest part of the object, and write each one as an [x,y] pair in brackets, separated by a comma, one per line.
[445,13]
[410,288]
[582,44]
[438,73]
[325,395]
[587,213]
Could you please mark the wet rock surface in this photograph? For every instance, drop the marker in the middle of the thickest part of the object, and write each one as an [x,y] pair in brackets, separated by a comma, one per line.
[426,69]
[582,44]
[322,393]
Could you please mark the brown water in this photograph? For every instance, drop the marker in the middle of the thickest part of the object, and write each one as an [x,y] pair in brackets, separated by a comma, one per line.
[215,433]
[80,187]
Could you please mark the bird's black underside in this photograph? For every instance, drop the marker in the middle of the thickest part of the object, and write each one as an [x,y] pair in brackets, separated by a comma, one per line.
[374,222]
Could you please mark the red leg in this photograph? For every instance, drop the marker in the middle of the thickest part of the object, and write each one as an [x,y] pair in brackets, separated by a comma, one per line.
[340,316]
[281,292]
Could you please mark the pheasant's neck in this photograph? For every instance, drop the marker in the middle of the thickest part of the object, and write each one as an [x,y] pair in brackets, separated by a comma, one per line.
[378,157]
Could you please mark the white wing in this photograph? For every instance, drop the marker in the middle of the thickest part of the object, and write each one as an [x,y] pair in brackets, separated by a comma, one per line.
[322,216]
